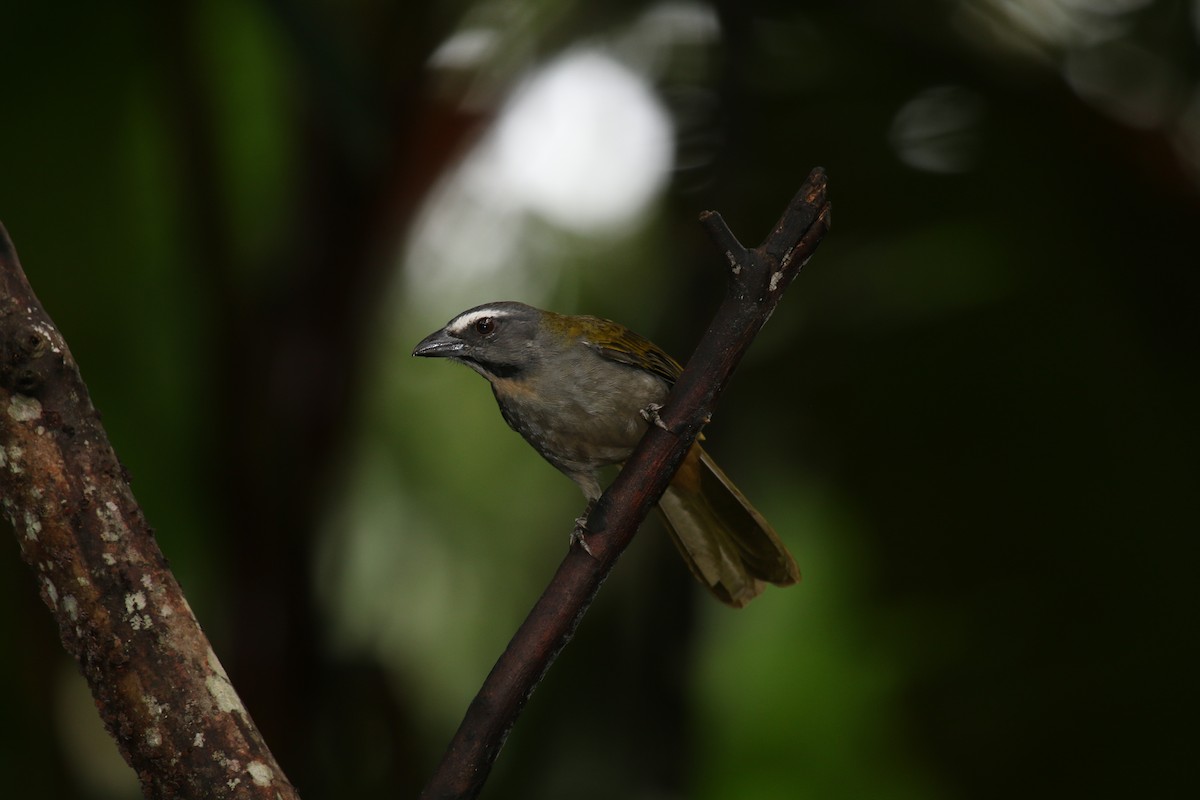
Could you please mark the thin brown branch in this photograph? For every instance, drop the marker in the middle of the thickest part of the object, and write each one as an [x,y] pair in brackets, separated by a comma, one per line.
[757,279]
[159,687]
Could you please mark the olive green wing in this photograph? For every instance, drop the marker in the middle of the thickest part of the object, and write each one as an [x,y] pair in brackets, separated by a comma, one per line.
[618,343]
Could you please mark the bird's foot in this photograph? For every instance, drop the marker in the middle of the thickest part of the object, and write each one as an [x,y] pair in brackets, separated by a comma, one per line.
[650,414]
[579,534]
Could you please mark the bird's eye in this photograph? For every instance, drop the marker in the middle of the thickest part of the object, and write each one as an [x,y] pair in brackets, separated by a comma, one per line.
[485,326]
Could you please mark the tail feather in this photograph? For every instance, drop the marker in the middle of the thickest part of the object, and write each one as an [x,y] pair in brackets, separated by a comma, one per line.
[726,543]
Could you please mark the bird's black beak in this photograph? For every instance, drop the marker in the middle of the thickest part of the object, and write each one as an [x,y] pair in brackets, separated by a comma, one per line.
[439,344]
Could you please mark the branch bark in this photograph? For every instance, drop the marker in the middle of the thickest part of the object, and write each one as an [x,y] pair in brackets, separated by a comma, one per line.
[160,689]
[757,280]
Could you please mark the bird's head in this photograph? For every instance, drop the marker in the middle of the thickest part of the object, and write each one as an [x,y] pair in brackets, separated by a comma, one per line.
[498,340]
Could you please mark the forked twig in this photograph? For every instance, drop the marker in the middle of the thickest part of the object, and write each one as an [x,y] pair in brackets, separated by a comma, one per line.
[757,280]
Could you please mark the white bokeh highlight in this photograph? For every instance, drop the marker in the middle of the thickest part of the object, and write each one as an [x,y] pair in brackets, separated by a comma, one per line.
[584,143]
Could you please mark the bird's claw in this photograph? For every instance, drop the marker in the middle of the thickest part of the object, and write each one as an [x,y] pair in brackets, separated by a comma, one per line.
[650,414]
[579,535]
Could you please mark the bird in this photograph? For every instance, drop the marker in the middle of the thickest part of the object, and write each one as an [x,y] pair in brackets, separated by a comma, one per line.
[582,391]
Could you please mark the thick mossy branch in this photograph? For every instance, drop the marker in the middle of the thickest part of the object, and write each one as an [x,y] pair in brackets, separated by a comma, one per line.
[159,687]
[757,279]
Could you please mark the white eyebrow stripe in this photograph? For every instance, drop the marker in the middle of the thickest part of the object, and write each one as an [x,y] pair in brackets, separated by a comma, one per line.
[460,324]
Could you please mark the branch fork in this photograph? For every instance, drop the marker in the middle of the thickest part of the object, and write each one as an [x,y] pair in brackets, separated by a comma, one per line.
[757,279]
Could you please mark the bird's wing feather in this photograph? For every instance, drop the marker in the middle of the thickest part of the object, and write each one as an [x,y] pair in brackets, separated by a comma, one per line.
[618,343]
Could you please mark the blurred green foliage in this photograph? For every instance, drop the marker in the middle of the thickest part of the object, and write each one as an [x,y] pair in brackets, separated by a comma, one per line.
[973,419]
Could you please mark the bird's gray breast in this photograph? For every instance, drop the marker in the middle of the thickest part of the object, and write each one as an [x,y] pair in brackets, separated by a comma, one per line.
[581,415]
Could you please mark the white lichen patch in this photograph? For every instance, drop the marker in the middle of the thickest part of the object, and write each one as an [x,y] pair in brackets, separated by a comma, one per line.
[220,688]
[776,277]
[109,515]
[135,603]
[155,708]
[232,765]
[198,740]
[47,333]
[51,592]
[109,559]
[153,737]
[260,773]
[22,408]
[71,606]
[14,460]
[222,692]
[787,259]
[32,527]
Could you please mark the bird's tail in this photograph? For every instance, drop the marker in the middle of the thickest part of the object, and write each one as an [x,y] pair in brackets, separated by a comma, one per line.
[727,544]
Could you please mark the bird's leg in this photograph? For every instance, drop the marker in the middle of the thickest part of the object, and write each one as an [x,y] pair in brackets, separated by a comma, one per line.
[650,414]
[581,529]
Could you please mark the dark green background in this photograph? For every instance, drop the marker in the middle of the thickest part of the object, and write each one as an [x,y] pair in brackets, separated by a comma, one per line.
[973,419]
